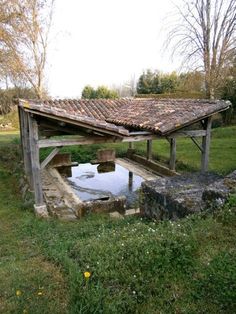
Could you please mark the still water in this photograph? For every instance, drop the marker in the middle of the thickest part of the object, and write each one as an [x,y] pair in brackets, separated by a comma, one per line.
[93,182]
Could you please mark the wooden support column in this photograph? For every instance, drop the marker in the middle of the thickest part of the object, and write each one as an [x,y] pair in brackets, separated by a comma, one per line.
[24,129]
[131,145]
[172,153]
[40,206]
[20,117]
[149,149]
[130,149]
[206,144]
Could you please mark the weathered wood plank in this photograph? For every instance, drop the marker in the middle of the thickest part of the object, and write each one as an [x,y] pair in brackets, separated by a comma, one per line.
[105,139]
[206,144]
[77,141]
[49,157]
[188,133]
[47,125]
[153,165]
[95,127]
[35,164]
[92,140]
[172,154]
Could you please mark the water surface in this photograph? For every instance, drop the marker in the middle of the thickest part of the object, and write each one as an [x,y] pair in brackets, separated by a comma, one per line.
[90,182]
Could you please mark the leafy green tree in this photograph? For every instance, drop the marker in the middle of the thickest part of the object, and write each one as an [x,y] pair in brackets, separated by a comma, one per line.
[104,92]
[148,83]
[101,92]
[157,83]
[169,83]
[88,92]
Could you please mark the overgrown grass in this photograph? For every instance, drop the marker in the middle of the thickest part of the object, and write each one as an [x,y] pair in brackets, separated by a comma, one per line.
[136,265]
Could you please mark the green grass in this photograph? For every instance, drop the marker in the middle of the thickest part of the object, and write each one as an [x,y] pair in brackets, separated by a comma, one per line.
[9,137]
[136,265]
[222,152]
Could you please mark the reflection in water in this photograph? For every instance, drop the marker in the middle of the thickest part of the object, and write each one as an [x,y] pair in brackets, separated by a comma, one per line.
[90,184]
[106,167]
[93,192]
[86,175]
[131,176]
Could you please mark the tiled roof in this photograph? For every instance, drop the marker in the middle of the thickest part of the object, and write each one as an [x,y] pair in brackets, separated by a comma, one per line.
[161,116]
[165,115]
[88,112]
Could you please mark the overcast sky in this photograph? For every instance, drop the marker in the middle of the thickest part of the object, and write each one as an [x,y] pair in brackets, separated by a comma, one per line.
[105,42]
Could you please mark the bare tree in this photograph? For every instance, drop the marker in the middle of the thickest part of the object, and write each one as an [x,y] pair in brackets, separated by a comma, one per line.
[204,34]
[127,89]
[24,36]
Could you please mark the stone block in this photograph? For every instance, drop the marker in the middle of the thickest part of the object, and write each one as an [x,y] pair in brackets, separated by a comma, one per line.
[216,194]
[41,211]
[175,197]
[103,206]
[106,155]
[61,159]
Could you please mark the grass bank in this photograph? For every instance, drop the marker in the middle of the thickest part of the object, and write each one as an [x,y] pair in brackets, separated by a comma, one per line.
[100,265]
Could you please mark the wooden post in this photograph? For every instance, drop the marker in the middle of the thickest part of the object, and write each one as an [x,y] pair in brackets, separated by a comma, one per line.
[149,149]
[172,154]
[130,149]
[40,207]
[24,129]
[20,116]
[130,184]
[206,144]
[131,145]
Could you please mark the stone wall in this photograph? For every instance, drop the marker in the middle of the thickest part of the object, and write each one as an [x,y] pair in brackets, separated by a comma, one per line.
[176,197]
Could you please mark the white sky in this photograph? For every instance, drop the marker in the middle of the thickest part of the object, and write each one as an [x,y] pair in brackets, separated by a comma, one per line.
[105,42]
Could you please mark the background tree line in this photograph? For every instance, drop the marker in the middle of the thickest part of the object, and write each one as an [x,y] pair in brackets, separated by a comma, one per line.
[101,92]
[156,82]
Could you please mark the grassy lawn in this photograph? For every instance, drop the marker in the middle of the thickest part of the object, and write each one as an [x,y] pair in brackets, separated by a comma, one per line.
[134,265]
[9,137]
[222,153]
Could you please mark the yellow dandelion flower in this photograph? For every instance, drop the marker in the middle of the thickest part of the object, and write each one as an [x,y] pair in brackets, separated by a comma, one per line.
[18,293]
[87,274]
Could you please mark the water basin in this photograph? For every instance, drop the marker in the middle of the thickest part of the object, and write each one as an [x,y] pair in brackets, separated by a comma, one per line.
[96,182]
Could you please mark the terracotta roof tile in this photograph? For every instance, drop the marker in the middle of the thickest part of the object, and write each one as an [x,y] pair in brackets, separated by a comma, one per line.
[91,113]
[161,116]
[165,115]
